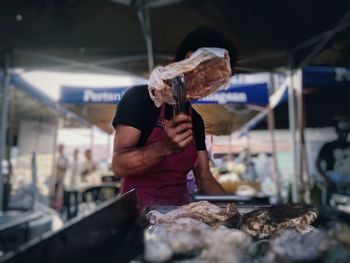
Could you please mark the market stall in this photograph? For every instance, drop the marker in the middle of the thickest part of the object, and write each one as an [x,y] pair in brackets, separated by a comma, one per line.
[221,111]
[308,98]
[29,158]
[321,96]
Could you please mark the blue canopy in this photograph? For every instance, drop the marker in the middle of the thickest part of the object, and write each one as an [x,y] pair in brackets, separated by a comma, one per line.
[20,83]
[23,85]
[256,94]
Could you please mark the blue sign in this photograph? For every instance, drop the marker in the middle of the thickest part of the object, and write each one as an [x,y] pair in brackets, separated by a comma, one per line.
[240,94]
[91,95]
[256,94]
[326,77]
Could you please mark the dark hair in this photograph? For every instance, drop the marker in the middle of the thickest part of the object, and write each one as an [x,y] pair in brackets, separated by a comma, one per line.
[206,37]
[342,123]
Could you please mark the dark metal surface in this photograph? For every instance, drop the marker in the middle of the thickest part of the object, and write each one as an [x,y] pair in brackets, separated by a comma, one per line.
[328,214]
[17,228]
[14,218]
[232,198]
[241,208]
[112,233]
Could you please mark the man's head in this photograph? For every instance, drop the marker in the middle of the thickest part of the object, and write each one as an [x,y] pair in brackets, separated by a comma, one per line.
[205,37]
[88,154]
[61,148]
[75,154]
[342,128]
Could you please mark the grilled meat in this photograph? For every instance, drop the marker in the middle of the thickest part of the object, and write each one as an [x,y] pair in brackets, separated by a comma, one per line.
[202,211]
[264,222]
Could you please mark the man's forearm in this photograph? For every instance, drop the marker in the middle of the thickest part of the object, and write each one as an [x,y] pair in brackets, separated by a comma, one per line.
[321,171]
[135,160]
[211,187]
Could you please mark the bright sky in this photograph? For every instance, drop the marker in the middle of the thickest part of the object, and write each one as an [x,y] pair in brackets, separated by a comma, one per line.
[50,82]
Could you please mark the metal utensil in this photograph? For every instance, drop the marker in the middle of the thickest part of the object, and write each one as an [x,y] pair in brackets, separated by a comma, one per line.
[178,88]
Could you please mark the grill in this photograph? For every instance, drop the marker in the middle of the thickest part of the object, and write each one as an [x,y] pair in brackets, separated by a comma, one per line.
[113,233]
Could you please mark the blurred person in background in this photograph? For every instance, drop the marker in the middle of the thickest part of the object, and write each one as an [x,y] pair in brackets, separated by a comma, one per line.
[333,161]
[62,164]
[75,170]
[71,187]
[88,167]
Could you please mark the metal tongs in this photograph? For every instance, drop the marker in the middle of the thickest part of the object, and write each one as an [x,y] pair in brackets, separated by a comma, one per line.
[178,88]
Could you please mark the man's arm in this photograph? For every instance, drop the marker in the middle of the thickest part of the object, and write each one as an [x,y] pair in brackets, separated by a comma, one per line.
[321,170]
[129,159]
[322,158]
[205,180]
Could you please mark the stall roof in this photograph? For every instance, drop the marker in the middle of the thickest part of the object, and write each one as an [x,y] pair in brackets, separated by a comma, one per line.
[106,35]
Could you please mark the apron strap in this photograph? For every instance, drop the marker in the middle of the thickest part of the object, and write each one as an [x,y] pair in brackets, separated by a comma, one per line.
[162,110]
[190,109]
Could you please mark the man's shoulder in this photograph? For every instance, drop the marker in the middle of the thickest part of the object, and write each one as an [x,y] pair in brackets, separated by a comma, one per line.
[329,146]
[137,96]
[197,118]
[137,91]
[337,143]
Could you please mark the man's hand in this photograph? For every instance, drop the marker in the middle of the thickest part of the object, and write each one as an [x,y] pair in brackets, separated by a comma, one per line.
[128,159]
[178,134]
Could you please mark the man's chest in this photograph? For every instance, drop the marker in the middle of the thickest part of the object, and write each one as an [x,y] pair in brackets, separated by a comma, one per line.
[341,159]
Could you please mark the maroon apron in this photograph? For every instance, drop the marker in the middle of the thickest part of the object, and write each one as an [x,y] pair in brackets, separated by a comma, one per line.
[166,182]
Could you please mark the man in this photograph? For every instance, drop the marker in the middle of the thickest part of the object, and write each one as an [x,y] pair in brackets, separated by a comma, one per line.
[89,166]
[71,192]
[75,170]
[153,150]
[333,162]
[61,169]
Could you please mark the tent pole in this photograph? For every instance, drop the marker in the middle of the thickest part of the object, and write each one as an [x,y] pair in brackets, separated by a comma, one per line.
[324,41]
[304,173]
[275,171]
[145,23]
[292,127]
[313,40]
[7,185]
[54,159]
[4,123]
[230,154]
[92,140]
[108,147]
[300,131]
[34,180]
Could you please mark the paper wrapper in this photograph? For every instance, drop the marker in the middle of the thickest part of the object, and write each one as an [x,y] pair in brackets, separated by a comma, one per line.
[207,70]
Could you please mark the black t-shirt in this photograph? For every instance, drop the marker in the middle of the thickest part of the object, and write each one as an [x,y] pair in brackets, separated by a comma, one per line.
[336,155]
[136,109]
